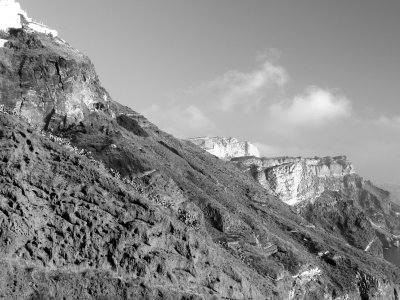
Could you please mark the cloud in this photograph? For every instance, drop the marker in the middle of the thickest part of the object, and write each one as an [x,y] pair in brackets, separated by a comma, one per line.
[389,122]
[236,89]
[180,121]
[238,103]
[315,107]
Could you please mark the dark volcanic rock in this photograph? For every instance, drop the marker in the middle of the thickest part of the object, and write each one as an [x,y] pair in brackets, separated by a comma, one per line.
[144,215]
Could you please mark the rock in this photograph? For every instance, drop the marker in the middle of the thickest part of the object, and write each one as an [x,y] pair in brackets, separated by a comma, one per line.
[295,180]
[98,203]
[328,193]
[57,93]
[226,148]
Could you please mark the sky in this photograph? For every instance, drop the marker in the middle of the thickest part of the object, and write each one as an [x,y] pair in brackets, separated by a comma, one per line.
[294,77]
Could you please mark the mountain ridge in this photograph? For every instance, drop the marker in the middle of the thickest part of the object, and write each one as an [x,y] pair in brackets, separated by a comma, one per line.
[97,202]
[314,185]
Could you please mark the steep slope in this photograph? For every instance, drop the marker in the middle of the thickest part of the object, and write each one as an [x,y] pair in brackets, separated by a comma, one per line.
[71,228]
[109,206]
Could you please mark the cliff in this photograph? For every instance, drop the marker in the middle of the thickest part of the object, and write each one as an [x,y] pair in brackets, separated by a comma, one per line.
[98,203]
[226,148]
[294,180]
[328,193]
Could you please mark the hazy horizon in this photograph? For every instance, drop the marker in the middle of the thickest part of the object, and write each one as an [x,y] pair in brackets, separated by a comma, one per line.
[298,78]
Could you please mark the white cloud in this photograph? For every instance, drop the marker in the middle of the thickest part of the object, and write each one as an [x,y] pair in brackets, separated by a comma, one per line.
[180,121]
[389,122]
[238,89]
[237,103]
[315,107]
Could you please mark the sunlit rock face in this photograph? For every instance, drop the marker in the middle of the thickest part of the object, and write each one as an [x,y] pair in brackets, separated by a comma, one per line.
[329,194]
[53,93]
[226,148]
[295,180]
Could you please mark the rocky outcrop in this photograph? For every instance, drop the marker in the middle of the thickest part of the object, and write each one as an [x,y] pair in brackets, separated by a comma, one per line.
[54,94]
[226,148]
[295,180]
[328,193]
[98,203]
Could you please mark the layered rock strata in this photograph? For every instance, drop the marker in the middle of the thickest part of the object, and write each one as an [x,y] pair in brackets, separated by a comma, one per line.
[294,180]
[226,148]
[328,193]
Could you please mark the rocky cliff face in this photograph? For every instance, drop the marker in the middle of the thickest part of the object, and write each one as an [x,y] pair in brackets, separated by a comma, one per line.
[327,192]
[98,203]
[57,93]
[294,180]
[226,148]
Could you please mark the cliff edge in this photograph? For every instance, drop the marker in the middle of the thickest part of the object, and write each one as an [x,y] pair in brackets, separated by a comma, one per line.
[226,148]
[293,179]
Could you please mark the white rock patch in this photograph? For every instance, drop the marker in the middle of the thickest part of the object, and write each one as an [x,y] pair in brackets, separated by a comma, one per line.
[296,179]
[2,42]
[308,275]
[369,245]
[226,148]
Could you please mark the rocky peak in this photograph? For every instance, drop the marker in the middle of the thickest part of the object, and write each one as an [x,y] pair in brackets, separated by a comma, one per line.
[226,148]
[49,83]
